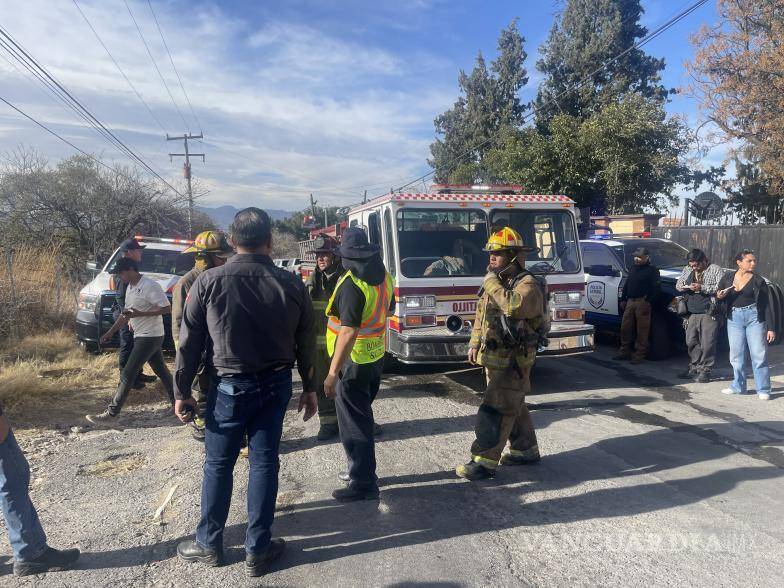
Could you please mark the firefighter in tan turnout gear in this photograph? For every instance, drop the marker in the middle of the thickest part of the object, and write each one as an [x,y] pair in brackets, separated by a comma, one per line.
[321,285]
[511,322]
[211,249]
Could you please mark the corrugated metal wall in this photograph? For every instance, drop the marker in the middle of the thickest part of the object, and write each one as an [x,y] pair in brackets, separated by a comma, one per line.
[723,243]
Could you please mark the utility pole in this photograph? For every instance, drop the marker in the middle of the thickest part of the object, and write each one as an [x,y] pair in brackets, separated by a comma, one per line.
[364,198]
[187,171]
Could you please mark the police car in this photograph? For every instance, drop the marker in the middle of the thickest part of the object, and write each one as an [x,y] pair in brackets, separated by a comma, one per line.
[606,261]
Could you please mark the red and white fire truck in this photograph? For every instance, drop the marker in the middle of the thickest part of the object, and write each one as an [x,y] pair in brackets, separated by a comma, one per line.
[432,246]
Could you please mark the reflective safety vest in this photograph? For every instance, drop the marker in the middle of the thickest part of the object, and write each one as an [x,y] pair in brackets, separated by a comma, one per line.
[369,346]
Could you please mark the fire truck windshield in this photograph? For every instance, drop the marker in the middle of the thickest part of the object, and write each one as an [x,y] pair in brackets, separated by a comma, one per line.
[441,242]
[552,232]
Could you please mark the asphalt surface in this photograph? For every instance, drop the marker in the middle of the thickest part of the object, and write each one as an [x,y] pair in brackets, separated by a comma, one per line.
[645,480]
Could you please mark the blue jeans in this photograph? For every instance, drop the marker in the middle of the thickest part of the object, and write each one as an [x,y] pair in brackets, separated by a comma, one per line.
[744,329]
[239,404]
[27,537]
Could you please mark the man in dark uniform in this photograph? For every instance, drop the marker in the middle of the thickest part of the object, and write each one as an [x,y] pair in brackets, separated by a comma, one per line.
[258,319]
[639,293]
[211,249]
[321,285]
[356,333]
[132,249]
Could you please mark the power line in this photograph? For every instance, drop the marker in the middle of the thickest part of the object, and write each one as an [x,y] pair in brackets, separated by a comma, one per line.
[64,140]
[21,55]
[174,67]
[534,109]
[117,65]
[160,75]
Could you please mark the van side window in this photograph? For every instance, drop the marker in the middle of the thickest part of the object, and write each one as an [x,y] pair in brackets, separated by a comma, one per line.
[389,246]
[374,228]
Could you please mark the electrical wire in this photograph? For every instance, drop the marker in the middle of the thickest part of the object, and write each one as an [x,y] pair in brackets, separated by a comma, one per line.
[174,67]
[534,109]
[160,75]
[50,82]
[64,140]
[117,65]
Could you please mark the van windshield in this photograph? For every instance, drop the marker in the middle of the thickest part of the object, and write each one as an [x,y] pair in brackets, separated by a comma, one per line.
[161,261]
[442,242]
[553,234]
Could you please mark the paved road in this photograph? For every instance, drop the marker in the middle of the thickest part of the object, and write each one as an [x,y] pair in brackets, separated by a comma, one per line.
[645,481]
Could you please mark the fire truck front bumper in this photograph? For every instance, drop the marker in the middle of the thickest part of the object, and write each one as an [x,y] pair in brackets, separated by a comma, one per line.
[437,345]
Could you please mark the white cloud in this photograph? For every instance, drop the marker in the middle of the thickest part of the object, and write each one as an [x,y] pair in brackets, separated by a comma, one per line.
[308,111]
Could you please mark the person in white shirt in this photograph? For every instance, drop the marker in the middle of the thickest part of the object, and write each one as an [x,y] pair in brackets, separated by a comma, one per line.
[145,305]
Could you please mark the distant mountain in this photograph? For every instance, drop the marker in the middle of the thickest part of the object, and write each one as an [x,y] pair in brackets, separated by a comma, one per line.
[224,215]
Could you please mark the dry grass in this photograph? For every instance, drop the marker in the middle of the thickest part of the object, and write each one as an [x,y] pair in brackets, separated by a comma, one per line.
[35,294]
[48,382]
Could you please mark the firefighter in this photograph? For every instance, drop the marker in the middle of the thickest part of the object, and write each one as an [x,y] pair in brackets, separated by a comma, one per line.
[211,249]
[321,285]
[510,324]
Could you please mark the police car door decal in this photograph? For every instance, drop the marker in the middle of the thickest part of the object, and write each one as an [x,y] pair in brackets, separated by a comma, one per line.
[595,292]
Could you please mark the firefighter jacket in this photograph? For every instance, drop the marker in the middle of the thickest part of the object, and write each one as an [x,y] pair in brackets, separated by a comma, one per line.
[521,299]
[321,286]
[179,294]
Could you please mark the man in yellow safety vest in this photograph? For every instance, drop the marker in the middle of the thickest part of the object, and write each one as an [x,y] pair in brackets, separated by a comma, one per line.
[356,334]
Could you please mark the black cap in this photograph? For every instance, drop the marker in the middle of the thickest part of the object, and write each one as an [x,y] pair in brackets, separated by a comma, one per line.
[130,244]
[124,264]
[641,252]
[354,245]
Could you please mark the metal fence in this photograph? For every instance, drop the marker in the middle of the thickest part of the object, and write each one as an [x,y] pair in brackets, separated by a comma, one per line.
[722,243]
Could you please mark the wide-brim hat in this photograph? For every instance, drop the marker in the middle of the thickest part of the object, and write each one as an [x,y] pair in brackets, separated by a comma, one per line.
[354,245]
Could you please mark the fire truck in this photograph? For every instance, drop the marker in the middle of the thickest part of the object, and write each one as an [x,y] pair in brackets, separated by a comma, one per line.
[432,245]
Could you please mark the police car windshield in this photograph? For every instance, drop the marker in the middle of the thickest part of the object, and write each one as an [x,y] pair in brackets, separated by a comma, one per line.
[552,232]
[442,242]
[160,261]
[664,254]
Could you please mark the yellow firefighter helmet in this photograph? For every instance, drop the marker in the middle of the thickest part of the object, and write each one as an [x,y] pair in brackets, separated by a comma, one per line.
[505,239]
[210,242]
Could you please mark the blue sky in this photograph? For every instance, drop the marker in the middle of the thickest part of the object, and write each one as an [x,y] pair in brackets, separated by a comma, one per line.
[293,97]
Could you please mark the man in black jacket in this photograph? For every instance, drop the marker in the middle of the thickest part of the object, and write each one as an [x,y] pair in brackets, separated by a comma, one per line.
[255,321]
[639,293]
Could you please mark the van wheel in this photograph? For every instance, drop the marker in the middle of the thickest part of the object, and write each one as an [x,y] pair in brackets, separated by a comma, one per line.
[661,340]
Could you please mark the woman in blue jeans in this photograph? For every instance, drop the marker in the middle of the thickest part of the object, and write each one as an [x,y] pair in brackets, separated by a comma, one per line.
[748,316]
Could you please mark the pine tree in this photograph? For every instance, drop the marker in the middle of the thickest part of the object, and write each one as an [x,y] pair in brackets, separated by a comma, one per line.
[586,35]
[489,103]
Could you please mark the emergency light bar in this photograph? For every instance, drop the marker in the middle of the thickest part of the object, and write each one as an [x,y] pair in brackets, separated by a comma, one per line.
[164,240]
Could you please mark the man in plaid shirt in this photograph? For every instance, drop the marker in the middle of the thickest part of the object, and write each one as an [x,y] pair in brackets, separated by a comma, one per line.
[698,283]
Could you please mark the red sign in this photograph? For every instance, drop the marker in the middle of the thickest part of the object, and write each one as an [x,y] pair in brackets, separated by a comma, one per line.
[464,306]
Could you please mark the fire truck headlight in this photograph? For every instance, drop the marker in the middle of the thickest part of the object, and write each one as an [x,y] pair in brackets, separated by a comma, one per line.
[416,302]
[560,298]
